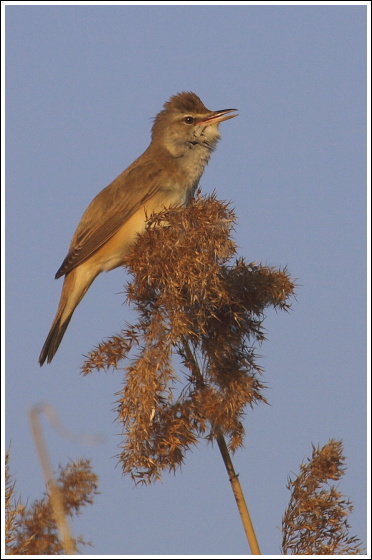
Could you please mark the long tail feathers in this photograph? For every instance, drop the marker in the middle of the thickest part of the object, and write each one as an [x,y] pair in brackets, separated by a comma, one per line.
[53,339]
[74,288]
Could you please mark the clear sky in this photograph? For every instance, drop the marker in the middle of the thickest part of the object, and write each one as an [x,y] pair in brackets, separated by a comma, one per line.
[83,83]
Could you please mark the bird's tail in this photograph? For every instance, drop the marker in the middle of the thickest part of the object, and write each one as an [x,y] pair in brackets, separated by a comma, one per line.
[54,338]
[75,286]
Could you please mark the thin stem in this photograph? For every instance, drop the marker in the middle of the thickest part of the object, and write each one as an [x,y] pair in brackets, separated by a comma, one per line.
[234,480]
[55,497]
[239,496]
[193,364]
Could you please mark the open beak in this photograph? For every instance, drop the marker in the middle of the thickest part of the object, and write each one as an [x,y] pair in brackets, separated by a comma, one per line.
[219,116]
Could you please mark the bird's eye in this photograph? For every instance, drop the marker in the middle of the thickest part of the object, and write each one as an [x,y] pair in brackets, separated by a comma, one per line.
[188,120]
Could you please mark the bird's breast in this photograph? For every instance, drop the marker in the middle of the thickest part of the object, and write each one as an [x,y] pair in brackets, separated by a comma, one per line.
[112,254]
[192,164]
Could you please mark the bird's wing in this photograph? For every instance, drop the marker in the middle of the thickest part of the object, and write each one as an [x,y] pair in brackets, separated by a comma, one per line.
[109,210]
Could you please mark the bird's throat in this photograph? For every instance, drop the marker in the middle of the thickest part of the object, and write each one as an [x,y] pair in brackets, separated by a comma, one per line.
[193,162]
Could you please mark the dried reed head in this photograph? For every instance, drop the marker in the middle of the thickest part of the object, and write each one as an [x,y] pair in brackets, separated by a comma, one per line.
[194,302]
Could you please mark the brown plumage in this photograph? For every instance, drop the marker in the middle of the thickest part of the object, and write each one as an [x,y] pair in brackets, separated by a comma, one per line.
[184,134]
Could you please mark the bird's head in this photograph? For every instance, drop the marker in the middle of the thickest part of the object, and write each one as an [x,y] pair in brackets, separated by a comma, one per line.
[185,123]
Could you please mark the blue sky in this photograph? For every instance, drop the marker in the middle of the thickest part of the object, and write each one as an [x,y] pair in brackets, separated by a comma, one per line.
[82,85]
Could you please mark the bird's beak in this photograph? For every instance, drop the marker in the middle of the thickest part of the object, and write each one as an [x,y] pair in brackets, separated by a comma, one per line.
[219,116]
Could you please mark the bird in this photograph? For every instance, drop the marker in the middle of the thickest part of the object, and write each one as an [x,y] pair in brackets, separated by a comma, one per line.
[183,136]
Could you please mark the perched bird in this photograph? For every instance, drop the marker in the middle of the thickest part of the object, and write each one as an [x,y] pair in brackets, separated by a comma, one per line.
[184,134]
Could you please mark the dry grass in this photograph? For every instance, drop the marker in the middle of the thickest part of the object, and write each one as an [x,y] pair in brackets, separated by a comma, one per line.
[196,300]
[32,530]
[315,521]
